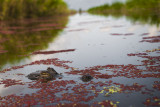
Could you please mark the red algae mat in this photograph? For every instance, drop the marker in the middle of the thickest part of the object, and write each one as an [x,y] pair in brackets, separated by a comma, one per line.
[98,92]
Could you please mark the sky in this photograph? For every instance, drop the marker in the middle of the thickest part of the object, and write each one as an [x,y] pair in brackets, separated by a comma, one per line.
[86,4]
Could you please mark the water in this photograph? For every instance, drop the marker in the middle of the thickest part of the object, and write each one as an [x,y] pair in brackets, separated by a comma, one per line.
[94,44]
[102,44]
[86,4]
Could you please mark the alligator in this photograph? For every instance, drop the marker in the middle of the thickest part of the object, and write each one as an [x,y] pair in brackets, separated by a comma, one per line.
[51,74]
[86,78]
[48,74]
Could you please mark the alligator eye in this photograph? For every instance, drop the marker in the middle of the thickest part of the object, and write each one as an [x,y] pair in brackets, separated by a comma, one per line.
[36,75]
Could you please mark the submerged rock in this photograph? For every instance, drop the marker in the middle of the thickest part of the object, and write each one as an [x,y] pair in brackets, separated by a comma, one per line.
[86,78]
[48,74]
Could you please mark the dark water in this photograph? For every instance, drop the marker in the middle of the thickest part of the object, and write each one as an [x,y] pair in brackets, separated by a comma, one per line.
[122,56]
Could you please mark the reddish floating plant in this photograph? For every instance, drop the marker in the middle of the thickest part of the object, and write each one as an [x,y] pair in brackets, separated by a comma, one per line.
[145,34]
[10,82]
[52,52]
[156,85]
[116,34]
[154,101]
[137,54]
[153,39]
[54,61]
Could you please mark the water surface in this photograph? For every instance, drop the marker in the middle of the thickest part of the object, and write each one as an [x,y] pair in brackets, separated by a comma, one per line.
[86,4]
[121,55]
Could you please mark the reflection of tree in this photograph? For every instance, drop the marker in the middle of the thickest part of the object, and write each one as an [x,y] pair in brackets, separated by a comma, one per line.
[22,38]
[26,31]
[135,10]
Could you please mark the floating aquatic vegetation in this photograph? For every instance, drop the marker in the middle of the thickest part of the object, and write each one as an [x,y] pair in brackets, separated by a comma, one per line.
[154,101]
[54,61]
[153,39]
[108,103]
[137,54]
[144,34]
[153,50]
[68,92]
[10,82]
[52,52]
[156,85]
[116,34]
[120,34]
[112,90]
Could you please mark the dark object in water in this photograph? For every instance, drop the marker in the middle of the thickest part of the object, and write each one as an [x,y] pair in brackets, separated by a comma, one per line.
[48,74]
[86,78]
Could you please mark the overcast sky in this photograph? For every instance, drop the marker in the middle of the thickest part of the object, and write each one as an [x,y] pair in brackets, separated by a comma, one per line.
[86,4]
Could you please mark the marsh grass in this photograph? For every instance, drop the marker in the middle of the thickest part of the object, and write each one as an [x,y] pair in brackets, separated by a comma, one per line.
[19,9]
[147,11]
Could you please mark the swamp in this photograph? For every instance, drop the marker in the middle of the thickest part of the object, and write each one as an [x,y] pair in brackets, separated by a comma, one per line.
[105,54]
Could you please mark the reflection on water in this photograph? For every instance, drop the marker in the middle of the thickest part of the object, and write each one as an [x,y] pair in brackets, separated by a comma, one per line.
[21,38]
[110,50]
[135,10]
[153,20]
[141,18]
